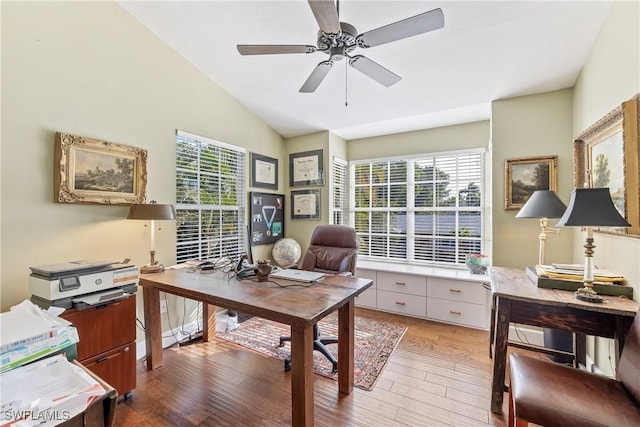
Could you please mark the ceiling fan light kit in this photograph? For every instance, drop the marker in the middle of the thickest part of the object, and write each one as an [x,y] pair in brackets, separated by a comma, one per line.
[338,39]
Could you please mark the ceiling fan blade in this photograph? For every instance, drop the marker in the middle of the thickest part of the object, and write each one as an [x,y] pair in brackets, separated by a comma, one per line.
[419,24]
[269,49]
[326,15]
[315,78]
[374,70]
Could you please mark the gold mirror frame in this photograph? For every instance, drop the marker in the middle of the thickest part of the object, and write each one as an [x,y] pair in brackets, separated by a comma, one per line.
[619,129]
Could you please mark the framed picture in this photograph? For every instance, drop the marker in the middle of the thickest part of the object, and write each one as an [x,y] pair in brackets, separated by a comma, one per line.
[267,218]
[305,204]
[264,171]
[306,168]
[91,171]
[523,176]
[606,155]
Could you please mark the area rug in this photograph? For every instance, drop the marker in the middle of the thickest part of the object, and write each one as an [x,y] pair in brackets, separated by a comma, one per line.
[373,344]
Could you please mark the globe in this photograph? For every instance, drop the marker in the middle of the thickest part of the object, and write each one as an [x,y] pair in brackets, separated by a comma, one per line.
[286,252]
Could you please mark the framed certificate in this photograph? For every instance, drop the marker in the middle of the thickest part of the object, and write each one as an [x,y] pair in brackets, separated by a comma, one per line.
[264,171]
[306,168]
[305,204]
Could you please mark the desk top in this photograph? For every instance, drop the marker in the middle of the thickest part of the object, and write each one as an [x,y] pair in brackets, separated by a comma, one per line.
[513,283]
[294,304]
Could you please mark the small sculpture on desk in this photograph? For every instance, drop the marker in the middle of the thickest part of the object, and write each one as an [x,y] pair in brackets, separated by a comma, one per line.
[262,270]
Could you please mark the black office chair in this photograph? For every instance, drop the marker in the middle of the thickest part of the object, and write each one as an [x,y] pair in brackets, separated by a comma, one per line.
[333,249]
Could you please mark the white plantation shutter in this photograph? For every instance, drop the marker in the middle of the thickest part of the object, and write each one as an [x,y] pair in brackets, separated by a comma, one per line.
[338,192]
[425,208]
[210,198]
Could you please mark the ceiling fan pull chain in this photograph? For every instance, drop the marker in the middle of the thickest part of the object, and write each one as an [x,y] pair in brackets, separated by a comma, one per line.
[346,94]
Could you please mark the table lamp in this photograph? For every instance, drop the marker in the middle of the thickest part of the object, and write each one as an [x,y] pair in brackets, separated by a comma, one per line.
[591,207]
[543,204]
[152,212]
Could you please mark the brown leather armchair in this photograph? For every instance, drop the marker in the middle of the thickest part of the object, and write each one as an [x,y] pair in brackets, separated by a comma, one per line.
[550,394]
[334,250]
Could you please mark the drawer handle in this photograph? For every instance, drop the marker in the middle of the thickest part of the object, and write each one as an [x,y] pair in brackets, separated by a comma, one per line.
[400,283]
[401,303]
[455,312]
[455,290]
[102,359]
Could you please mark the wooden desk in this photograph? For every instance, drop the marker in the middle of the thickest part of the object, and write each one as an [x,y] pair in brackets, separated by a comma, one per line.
[298,307]
[518,300]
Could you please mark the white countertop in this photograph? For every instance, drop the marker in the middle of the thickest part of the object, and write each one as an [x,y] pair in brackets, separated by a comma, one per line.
[423,270]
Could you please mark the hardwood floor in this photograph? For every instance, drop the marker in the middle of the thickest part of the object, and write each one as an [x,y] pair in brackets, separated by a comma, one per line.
[439,375]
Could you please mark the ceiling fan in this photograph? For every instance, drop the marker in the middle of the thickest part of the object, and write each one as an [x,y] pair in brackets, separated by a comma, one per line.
[338,39]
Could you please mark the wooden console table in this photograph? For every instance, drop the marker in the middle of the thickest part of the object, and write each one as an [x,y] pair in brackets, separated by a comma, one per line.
[299,307]
[516,299]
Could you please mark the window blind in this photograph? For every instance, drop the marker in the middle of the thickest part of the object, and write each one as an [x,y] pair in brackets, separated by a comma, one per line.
[210,198]
[426,208]
[338,192]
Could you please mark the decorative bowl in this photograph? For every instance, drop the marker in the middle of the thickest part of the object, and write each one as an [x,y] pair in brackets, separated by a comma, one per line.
[477,263]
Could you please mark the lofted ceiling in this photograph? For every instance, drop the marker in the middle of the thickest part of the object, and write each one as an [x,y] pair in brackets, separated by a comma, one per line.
[487,50]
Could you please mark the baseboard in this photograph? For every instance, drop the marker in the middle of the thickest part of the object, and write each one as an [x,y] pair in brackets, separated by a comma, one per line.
[169,338]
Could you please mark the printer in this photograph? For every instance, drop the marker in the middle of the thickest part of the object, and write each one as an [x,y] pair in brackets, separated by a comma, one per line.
[82,284]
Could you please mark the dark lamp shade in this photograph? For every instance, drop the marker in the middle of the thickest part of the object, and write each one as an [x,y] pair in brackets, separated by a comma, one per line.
[542,204]
[151,211]
[592,207]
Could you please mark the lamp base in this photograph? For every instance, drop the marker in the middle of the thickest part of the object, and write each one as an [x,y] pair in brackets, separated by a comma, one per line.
[588,294]
[152,268]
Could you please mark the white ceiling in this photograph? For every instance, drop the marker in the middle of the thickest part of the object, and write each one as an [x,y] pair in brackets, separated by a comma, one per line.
[487,50]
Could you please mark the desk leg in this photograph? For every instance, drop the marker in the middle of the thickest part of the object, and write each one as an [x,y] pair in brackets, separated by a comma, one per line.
[152,327]
[208,321]
[302,376]
[492,327]
[500,354]
[623,326]
[346,347]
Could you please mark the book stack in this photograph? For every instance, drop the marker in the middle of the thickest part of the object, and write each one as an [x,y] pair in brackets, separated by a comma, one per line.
[28,333]
[570,277]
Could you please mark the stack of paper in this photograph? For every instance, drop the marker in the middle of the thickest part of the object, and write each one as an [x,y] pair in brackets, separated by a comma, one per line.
[576,272]
[46,393]
[28,333]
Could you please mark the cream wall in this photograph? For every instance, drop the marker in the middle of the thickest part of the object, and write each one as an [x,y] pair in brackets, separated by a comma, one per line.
[89,68]
[530,126]
[610,76]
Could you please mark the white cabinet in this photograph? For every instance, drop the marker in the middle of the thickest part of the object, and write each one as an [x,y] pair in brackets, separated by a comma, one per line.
[439,294]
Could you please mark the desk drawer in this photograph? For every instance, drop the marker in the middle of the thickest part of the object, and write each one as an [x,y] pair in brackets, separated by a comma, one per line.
[402,303]
[403,283]
[463,313]
[456,290]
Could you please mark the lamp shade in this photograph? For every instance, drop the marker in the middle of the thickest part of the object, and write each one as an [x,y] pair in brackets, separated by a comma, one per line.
[151,211]
[542,204]
[592,207]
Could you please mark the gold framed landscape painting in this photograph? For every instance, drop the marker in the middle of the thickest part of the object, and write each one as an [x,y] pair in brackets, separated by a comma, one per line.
[606,155]
[92,171]
[523,176]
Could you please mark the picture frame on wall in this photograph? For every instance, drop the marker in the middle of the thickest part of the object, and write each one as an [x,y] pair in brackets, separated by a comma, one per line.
[305,204]
[606,155]
[267,218]
[306,168]
[88,170]
[523,176]
[264,171]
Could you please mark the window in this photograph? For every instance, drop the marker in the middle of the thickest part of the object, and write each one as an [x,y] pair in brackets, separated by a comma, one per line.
[338,192]
[210,198]
[426,208]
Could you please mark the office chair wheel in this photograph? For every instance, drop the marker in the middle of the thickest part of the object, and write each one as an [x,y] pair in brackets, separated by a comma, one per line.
[287,365]
[335,368]
[281,343]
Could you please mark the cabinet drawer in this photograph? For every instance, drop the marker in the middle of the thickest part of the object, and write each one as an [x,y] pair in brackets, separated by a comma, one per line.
[463,313]
[117,365]
[403,283]
[104,328]
[366,299]
[367,274]
[456,290]
[402,303]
